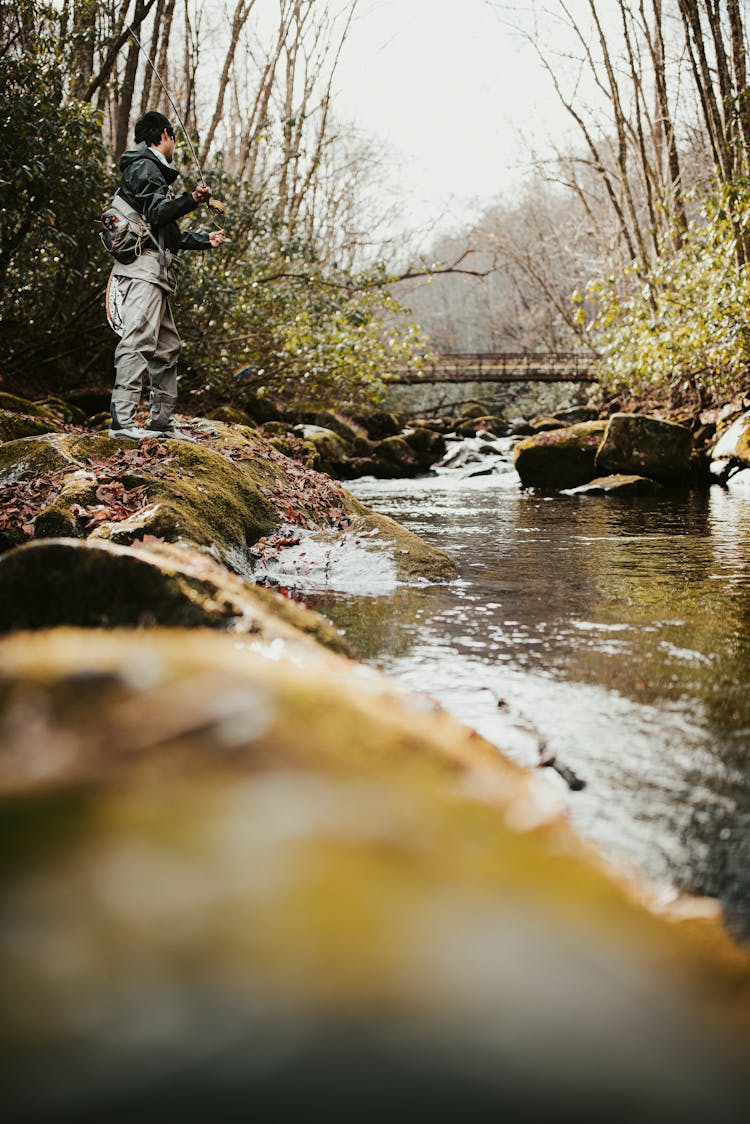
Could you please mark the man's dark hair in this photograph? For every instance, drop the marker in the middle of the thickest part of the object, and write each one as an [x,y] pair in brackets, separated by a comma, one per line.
[150,127]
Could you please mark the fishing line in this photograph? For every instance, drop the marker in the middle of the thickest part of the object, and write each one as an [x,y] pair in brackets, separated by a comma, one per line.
[214,205]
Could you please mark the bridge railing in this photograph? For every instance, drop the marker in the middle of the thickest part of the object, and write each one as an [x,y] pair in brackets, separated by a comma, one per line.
[500,366]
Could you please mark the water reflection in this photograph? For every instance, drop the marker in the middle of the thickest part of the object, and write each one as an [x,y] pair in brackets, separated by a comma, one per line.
[616,631]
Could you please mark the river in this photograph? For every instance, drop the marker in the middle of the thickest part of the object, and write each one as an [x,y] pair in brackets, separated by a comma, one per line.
[613,634]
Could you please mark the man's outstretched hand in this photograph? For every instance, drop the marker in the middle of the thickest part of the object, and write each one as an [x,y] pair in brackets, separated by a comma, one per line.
[202,193]
[216,237]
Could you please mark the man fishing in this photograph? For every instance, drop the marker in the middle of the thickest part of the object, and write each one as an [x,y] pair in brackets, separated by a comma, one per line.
[150,344]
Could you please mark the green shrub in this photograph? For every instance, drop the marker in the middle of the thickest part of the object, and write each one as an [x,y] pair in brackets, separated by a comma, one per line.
[686,318]
[53,179]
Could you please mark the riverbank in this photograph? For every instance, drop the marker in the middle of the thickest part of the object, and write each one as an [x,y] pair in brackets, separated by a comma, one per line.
[221,845]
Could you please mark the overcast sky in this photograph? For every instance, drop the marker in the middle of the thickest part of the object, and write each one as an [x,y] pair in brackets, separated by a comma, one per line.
[453,94]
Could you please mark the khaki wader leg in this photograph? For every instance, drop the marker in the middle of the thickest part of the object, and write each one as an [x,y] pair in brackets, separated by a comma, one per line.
[162,369]
[149,349]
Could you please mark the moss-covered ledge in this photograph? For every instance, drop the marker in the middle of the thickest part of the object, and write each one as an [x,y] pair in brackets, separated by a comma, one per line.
[227,492]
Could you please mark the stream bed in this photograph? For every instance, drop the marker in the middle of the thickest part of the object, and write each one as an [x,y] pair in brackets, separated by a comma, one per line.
[613,633]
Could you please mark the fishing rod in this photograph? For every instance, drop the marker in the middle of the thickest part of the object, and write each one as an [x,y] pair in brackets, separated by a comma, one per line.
[214,205]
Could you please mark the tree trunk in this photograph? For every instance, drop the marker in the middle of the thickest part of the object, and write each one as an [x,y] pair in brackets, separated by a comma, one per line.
[127,89]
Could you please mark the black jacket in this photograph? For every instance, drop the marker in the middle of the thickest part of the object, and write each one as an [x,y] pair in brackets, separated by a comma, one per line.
[145,185]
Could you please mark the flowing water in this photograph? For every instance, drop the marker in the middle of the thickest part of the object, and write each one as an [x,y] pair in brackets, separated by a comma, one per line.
[611,632]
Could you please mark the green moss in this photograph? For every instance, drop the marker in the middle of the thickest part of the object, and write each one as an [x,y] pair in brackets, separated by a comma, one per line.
[31,456]
[63,411]
[229,415]
[14,426]
[15,405]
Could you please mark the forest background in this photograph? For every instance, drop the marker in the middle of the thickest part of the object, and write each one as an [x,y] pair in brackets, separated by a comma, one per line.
[630,242]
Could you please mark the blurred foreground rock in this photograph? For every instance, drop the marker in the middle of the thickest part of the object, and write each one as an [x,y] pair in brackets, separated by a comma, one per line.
[238,887]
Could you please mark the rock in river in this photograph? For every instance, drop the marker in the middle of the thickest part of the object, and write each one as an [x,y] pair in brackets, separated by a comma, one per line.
[620,485]
[559,458]
[646,446]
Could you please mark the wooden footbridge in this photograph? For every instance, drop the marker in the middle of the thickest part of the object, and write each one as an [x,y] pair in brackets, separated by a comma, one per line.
[500,367]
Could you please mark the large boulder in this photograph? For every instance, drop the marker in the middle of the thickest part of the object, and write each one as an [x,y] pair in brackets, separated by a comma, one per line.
[14,425]
[67,413]
[15,405]
[645,446]
[489,423]
[122,491]
[380,424]
[235,886]
[559,458]
[226,493]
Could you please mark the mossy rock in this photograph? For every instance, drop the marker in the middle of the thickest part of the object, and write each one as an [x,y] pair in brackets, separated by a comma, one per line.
[194,493]
[230,415]
[65,412]
[380,424]
[617,485]
[332,449]
[415,559]
[260,408]
[427,445]
[474,410]
[11,403]
[14,425]
[645,446]
[489,423]
[541,425]
[395,458]
[362,447]
[277,428]
[229,880]
[493,424]
[344,426]
[97,584]
[559,458]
